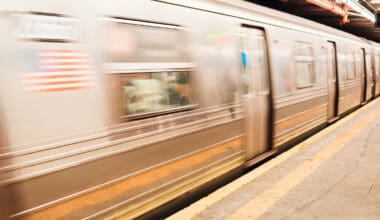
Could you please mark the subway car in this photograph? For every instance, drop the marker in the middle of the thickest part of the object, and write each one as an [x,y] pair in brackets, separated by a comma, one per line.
[113,109]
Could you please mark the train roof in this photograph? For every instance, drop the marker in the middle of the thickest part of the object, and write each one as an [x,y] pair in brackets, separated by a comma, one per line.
[240,9]
[243,9]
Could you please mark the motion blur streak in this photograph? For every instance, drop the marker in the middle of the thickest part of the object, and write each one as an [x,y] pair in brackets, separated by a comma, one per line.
[98,98]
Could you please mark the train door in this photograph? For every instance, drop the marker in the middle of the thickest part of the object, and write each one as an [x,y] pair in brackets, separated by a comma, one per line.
[363,76]
[255,90]
[332,81]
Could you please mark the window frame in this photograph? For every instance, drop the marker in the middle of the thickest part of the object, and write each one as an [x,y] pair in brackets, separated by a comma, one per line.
[305,59]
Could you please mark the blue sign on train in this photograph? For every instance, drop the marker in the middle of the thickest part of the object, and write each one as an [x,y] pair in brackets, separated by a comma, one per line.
[244,60]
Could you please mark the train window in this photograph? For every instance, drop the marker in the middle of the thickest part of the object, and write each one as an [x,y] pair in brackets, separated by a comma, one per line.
[305,75]
[350,64]
[153,92]
[152,67]
[133,42]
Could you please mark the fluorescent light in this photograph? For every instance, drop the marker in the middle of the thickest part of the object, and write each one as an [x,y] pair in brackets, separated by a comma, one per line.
[354,6]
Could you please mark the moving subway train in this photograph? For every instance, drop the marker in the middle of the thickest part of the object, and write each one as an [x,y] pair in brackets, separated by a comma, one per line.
[109,110]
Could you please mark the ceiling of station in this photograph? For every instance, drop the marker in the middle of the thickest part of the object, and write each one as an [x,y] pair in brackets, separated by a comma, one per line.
[357,24]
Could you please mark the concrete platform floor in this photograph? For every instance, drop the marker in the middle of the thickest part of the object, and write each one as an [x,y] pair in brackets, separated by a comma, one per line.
[335,174]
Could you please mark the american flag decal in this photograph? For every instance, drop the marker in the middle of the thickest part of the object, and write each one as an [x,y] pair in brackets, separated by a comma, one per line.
[58,70]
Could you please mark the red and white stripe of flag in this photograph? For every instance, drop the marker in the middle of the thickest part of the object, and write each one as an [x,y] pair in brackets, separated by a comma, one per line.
[60,70]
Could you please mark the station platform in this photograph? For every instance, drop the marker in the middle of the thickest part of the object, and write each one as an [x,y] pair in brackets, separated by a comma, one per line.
[335,174]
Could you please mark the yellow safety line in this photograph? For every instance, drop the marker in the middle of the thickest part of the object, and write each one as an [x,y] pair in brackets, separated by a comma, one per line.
[221,193]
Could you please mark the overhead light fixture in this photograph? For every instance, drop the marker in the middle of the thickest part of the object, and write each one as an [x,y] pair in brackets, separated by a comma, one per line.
[377,23]
[360,9]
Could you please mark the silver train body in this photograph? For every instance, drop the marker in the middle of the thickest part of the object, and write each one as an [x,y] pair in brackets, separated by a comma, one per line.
[110,109]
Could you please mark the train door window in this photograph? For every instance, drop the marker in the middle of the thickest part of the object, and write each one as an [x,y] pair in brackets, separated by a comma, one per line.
[246,85]
[262,64]
[152,67]
[254,60]
[369,70]
[350,64]
[377,64]
[305,75]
